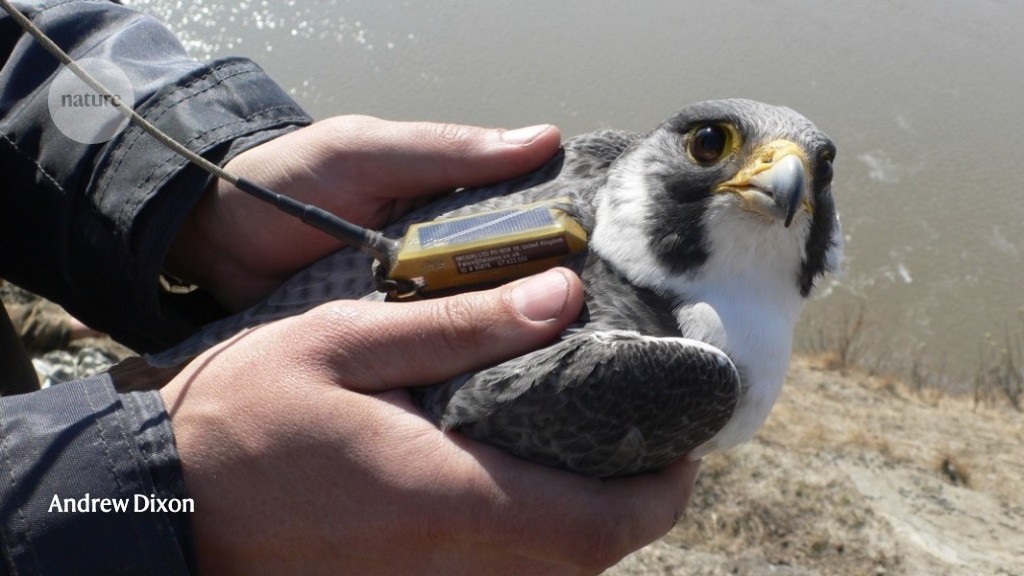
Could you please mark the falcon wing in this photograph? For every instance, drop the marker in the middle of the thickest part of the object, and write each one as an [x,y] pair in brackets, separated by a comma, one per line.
[598,403]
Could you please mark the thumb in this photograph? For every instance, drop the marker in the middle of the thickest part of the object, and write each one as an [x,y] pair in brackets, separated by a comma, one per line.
[377,346]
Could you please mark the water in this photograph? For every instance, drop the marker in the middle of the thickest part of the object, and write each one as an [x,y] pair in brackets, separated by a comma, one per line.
[922,98]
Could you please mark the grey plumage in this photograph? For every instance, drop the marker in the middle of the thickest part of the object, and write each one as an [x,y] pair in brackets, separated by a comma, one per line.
[599,403]
[661,362]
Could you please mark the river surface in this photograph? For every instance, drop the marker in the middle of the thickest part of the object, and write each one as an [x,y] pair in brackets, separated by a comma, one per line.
[923,99]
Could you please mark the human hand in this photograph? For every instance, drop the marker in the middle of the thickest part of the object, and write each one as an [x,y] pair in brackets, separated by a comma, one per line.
[317,462]
[366,170]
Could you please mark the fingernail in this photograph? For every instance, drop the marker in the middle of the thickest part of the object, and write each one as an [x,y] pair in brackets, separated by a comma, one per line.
[523,136]
[541,297]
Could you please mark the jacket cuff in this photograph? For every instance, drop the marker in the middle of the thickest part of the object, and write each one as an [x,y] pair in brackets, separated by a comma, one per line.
[86,479]
[218,111]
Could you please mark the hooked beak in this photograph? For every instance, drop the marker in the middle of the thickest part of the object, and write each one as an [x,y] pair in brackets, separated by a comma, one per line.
[774,182]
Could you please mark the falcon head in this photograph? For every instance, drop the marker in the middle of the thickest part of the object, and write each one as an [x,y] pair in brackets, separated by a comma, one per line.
[726,209]
[737,185]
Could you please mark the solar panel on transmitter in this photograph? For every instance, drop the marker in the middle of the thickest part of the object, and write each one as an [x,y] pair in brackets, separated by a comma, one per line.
[484,226]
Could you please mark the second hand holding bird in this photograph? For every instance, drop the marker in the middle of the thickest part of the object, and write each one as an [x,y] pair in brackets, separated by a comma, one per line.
[319,462]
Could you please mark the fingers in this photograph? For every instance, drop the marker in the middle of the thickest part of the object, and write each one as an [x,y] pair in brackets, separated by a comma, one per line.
[414,157]
[373,347]
[364,169]
[565,519]
[630,513]
[616,517]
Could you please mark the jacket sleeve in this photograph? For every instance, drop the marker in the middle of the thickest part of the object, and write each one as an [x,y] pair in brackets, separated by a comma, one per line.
[91,483]
[89,225]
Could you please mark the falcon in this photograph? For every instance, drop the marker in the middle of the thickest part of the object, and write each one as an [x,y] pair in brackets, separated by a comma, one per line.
[707,235]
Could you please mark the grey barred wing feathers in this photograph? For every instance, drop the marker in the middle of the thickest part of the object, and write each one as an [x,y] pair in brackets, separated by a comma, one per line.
[598,403]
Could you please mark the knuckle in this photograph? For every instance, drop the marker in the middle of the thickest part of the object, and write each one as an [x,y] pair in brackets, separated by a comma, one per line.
[329,316]
[332,323]
[340,343]
[350,122]
[453,136]
[460,322]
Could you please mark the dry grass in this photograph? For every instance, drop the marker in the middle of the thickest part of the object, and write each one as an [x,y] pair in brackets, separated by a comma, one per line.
[838,342]
[857,474]
[792,519]
[846,342]
[1001,372]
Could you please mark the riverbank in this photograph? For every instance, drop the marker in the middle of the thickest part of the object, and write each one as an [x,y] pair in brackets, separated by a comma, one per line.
[853,475]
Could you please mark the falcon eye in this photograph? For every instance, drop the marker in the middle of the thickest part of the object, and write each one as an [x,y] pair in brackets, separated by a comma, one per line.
[823,172]
[709,144]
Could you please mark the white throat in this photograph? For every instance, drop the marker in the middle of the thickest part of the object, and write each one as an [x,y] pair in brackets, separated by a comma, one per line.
[744,299]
